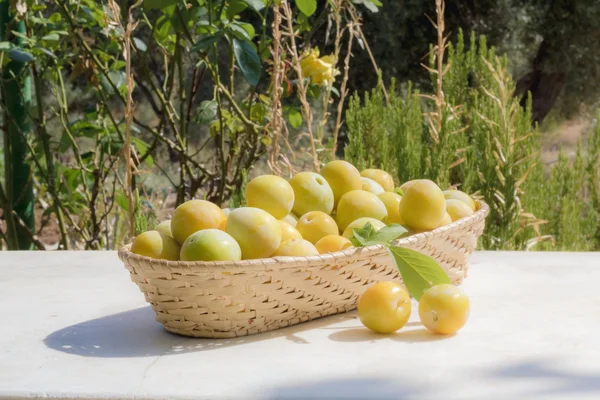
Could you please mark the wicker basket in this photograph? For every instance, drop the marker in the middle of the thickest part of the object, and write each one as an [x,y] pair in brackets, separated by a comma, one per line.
[237,298]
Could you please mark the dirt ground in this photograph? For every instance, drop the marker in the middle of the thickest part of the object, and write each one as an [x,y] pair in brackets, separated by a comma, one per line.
[566,134]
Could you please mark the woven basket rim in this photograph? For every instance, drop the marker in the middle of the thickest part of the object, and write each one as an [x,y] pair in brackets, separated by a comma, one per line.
[282,261]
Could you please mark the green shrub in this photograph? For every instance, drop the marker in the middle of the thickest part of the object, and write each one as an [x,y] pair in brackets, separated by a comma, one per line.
[484,144]
[386,134]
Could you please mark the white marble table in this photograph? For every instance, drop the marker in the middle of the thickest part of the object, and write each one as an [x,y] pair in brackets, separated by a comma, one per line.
[72,326]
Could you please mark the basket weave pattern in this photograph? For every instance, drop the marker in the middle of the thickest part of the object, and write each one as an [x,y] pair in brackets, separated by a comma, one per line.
[237,298]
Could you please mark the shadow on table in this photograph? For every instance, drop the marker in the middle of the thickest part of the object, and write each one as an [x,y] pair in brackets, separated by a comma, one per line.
[373,388]
[135,333]
[551,378]
[405,335]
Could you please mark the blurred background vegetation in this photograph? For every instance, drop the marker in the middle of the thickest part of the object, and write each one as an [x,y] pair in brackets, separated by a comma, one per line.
[116,111]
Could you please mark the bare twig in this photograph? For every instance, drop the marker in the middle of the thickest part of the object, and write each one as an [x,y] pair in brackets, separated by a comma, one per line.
[306,110]
[276,123]
[129,106]
[343,91]
[352,12]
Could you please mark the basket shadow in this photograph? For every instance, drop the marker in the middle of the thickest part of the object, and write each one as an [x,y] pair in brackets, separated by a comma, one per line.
[406,336]
[135,333]
[347,388]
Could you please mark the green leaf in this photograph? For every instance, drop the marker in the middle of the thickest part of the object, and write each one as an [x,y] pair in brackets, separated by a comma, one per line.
[235,7]
[257,5]
[6,46]
[140,45]
[308,7]
[206,112]
[314,91]
[248,60]
[139,144]
[117,77]
[360,236]
[20,56]
[150,161]
[258,112]
[295,118]
[160,4]
[387,234]
[122,201]
[367,235]
[51,37]
[55,18]
[242,30]
[371,5]
[419,272]
[203,44]
[399,191]
[47,52]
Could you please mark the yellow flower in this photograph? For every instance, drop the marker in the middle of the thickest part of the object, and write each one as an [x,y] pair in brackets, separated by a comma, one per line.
[320,71]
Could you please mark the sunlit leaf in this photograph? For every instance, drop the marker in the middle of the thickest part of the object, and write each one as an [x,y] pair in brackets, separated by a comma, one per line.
[242,31]
[257,5]
[295,118]
[308,7]
[6,46]
[419,272]
[140,45]
[51,37]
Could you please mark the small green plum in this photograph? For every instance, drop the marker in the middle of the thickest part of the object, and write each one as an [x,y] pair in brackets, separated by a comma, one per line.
[210,245]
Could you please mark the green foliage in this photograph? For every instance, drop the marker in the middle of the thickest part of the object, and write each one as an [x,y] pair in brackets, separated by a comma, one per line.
[486,146]
[204,104]
[568,199]
[419,272]
[367,235]
[387,135]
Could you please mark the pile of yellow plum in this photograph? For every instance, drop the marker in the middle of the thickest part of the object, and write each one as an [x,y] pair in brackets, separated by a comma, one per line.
[312,213]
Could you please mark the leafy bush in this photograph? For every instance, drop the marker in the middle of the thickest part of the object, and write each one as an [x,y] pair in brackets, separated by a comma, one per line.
[195,94]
